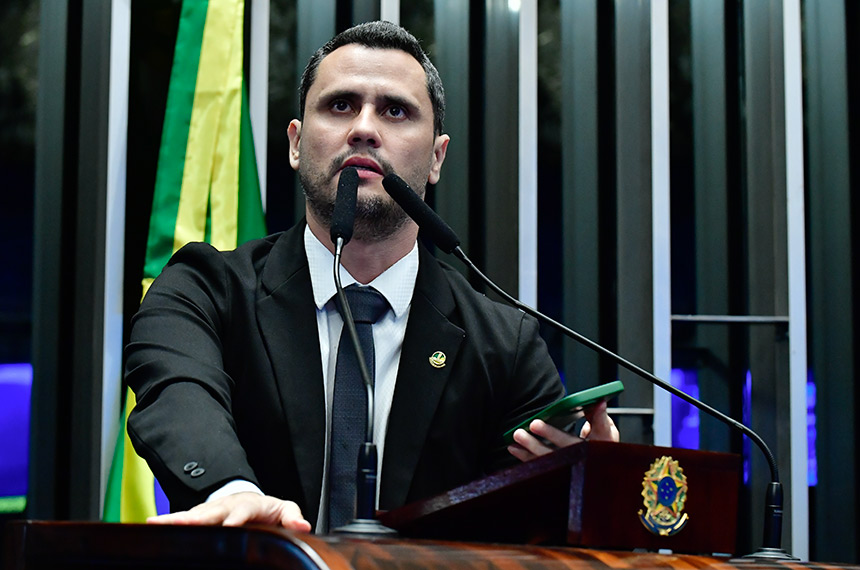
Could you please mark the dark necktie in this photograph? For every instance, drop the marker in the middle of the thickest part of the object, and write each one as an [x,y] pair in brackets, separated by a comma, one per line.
[349,408]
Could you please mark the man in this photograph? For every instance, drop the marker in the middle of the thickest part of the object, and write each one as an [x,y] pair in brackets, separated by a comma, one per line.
[233,355]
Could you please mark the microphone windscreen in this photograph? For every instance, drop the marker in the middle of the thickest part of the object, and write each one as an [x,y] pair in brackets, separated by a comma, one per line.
[428,220]
[343,217]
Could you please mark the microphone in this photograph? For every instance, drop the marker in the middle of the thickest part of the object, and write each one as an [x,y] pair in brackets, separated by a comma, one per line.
[343,217]
[437,229]
[342,224]
[440,233]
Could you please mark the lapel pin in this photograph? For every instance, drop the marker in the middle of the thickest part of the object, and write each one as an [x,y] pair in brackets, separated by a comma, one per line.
[437,359]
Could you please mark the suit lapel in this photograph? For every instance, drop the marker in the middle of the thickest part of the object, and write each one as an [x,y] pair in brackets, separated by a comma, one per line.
[419,384]
[287,320]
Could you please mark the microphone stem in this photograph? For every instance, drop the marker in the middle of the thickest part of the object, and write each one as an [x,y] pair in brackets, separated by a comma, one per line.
[773,501]
[365,523]
[771,461]
[349,323]
[447,240]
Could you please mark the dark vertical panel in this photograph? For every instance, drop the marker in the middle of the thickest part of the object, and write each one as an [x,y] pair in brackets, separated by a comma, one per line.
[607,155]
[69,266]
[422,17]
[501,155]
[88,331]
[686,83]
[442,28]
[153,37]
[49,309]
[633,168]
[710,188]
[284,202]
[451,56]
[737,281]
[477,135]
[19,50]
[852,22]
[550,106]
[831,308]
[767,242]
[683,88]
[19,26]
[581,190]
[316,22]
[365,11]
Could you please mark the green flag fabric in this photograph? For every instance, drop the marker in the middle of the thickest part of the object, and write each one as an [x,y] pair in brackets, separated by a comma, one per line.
[206,188]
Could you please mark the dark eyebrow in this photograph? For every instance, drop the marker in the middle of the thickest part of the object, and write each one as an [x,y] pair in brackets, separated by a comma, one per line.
[349,95]
[341,94]
[399,101]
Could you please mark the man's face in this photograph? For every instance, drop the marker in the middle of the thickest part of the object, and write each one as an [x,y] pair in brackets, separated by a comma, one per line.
[367,108]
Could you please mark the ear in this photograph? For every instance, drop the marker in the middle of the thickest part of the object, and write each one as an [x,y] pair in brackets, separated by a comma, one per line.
[440,148]
[294,133]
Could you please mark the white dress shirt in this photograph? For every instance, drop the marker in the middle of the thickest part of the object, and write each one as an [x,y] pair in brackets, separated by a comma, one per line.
[396,284]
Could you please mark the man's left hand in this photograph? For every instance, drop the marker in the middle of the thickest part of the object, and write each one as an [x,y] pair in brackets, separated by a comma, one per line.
[240,509]
[598,426]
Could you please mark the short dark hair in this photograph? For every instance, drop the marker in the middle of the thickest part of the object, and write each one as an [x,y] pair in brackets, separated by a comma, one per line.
[381,35]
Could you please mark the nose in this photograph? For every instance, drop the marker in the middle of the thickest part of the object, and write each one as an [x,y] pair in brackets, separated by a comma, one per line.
[364,129]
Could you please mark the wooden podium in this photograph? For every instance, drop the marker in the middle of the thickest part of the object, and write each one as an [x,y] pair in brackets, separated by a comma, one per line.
[588,494]
[86,546]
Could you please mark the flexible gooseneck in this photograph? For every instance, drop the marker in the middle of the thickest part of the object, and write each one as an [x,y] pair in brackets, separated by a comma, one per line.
[446,239]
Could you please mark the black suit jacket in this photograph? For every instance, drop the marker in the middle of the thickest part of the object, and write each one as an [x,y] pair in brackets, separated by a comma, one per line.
[224,360]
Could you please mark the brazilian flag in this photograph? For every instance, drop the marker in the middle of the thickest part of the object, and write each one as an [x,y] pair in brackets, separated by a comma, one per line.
[206,189]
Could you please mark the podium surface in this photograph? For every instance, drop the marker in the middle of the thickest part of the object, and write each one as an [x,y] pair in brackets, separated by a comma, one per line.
[74,546]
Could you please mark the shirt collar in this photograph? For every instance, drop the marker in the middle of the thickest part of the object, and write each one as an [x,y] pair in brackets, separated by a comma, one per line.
[396,283]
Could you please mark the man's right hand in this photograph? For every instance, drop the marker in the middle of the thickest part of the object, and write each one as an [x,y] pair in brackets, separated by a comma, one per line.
[240,509]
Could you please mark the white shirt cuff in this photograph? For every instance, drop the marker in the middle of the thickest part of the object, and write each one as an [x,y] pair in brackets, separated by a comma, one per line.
[233,487]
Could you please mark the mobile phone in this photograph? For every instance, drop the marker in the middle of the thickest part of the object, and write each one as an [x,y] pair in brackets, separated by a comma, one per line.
[565,413]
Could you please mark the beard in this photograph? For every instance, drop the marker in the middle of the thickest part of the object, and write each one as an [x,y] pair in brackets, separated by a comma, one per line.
[376,217]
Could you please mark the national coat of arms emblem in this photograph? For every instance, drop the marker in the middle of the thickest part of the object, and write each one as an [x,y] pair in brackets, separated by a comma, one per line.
[664,490]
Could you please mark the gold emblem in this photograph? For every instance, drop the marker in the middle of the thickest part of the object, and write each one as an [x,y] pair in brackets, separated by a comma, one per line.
[664,490]
[437,359]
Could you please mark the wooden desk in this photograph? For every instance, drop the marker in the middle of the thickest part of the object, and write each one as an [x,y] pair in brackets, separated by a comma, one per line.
[75,546]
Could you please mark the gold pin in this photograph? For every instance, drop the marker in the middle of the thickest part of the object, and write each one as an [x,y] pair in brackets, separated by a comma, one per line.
[437,359]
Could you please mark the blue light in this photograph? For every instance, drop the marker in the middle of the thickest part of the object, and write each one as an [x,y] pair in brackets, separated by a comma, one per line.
[812,458]
[15,384]
[162,505]
[685,417]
